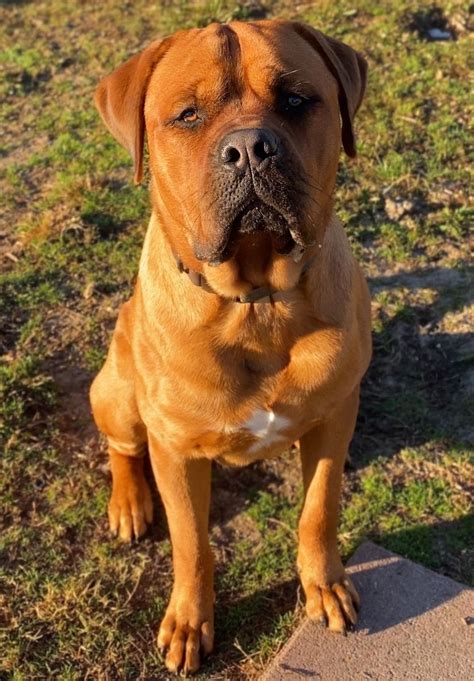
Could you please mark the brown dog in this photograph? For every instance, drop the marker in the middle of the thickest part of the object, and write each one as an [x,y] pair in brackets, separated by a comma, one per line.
[249,326]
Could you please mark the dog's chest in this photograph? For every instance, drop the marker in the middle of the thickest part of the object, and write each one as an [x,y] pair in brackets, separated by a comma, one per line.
[265,426]
[239,407]
[264,432]
[238,429]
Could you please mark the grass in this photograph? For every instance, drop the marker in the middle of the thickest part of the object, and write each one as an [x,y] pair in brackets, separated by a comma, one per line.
[73,603]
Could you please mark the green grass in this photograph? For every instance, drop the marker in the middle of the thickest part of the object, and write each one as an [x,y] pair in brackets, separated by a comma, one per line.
[74,603]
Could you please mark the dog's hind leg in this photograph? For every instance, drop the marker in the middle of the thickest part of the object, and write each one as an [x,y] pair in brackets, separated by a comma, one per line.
[116,414]
[330,595]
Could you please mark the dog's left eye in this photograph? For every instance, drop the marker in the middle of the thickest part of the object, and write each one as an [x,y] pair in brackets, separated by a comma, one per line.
[294,100]
[294,103]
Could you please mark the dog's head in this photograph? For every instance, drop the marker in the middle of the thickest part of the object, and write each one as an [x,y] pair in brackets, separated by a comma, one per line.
[244,123]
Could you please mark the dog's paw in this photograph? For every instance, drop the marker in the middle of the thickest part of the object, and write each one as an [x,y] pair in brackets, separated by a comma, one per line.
[183,635]
[334,605]
[130,509]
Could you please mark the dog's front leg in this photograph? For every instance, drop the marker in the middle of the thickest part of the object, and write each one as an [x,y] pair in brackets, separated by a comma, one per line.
[330,595]
[188,625]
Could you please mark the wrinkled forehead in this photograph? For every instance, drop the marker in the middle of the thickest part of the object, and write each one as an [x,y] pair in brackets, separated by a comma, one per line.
[222,61]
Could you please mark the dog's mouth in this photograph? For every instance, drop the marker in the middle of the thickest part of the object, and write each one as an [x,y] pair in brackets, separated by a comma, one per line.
[271,202]
[254,217]
[258,216]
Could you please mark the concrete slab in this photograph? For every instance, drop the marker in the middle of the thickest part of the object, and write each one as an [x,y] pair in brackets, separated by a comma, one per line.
[414,625]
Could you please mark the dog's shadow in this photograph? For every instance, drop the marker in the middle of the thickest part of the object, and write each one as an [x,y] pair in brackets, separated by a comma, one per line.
[417,365]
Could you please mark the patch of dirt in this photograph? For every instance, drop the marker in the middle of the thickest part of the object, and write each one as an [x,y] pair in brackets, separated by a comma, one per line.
[73,385]
[433,23]
[460,322]
[436,278]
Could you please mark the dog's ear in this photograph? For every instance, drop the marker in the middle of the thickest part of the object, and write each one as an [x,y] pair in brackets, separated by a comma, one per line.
[120,99]
[350,70]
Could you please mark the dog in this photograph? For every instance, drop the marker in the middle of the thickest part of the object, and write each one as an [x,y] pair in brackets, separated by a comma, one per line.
[249,326]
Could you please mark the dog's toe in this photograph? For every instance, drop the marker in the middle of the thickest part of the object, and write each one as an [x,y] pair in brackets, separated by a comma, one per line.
[182,643]
[335,605]
[130,513]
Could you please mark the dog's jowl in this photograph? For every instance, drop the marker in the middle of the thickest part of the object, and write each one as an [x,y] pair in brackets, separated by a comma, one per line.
[249,326]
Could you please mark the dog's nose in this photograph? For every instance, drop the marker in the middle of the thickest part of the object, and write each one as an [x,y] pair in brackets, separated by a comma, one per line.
[248,148]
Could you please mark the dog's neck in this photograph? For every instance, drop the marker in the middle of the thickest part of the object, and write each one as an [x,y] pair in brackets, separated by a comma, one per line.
[255,264]
[324,284]
[258,294]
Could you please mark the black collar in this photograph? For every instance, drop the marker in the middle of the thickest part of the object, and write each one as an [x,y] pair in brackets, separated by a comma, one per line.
[260,294]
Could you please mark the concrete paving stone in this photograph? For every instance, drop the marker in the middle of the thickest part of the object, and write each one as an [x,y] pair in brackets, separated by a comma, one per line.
[414,625]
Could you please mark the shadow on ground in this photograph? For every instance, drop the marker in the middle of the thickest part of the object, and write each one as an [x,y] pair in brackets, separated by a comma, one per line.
[418,367]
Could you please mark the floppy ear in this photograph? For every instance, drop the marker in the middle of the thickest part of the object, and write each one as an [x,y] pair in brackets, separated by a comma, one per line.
[120,99]
[350,70]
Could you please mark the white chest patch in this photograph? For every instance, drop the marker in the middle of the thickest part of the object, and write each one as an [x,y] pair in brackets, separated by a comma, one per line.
[267,427]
